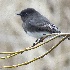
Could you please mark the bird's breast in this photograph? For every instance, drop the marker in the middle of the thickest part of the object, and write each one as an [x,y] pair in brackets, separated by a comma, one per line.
[37,34]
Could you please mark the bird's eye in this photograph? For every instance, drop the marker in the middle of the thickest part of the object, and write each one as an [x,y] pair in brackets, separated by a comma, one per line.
[26,13]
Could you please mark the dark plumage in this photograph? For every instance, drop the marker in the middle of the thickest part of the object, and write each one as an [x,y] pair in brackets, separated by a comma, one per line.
[33,21]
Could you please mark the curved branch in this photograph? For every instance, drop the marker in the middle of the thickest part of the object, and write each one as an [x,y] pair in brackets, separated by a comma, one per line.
[28,62]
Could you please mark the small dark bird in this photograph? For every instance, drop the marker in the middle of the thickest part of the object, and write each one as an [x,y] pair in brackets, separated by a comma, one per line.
[36,24]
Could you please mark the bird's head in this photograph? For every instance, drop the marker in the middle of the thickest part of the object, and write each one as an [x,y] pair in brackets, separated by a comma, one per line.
[27,12]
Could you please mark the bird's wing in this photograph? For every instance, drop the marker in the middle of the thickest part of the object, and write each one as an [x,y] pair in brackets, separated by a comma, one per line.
[44,25]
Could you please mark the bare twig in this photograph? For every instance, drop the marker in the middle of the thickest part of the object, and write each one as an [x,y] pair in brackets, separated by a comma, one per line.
[61,34]
[11,54]
[26,49]
[28,62]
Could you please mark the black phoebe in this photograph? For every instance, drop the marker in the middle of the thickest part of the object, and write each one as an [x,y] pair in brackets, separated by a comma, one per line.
[36,24]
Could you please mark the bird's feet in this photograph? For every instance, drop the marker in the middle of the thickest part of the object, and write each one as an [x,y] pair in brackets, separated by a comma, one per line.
[38,41]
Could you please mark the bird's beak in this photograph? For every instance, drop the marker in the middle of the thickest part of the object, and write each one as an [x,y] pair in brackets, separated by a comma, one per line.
[18,14]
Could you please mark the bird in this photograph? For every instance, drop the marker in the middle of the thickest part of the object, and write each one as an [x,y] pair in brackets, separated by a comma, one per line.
[35,24]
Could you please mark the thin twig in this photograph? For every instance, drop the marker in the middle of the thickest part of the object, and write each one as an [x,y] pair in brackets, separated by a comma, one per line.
[26,49]
[36,46]
[60,34]
[28,62]
[20,50]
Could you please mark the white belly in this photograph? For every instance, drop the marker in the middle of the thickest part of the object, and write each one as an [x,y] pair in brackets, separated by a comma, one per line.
[37,34]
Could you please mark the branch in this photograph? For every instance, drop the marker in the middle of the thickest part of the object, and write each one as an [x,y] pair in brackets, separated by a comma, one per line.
[28,62]
[59,34]
[11,54]
[26,49]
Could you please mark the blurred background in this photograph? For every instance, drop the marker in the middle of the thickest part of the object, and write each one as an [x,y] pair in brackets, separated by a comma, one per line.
[13,37]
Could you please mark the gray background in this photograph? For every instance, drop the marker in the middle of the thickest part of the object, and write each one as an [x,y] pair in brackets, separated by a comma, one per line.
[13,37]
